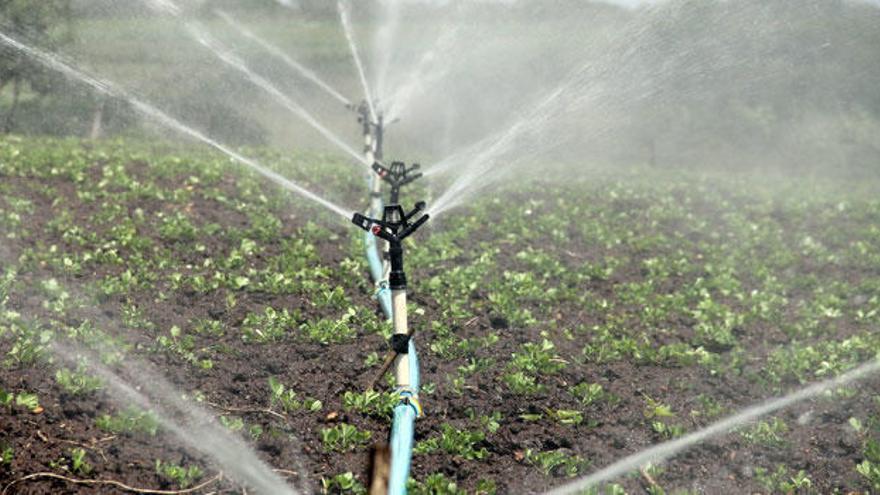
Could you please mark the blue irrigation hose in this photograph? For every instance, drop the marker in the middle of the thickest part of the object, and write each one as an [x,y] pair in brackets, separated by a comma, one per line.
[403,428]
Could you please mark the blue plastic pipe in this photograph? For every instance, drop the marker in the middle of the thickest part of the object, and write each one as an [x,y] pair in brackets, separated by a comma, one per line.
[403,428]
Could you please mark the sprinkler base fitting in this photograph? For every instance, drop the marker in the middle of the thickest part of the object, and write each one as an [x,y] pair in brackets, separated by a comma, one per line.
[387,362]
[394,227]
[410,398]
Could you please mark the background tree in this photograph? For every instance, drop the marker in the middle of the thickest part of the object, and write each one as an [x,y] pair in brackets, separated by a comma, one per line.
[44,23]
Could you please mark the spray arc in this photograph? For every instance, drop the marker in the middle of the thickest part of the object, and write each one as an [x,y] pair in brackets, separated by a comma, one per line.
[394,227]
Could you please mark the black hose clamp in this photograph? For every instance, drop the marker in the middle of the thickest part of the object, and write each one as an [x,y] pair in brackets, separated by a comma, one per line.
[400,343]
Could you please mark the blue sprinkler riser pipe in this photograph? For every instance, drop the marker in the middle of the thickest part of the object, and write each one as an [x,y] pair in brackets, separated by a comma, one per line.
[377,267]
[403,428]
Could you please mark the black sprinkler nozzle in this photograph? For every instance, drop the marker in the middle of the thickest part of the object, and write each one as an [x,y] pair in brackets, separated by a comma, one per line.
[361,221]
[394,227]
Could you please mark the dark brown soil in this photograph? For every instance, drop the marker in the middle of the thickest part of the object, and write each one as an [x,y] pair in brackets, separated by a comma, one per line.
[819,441]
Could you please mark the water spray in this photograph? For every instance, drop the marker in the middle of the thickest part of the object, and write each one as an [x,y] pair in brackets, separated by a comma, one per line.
[345,20]
[394,227]
[663,451]
[278,53]
[54,62]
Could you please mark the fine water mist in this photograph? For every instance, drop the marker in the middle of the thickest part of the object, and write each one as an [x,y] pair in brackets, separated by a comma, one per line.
[200,34]
[278,53]
[388,20]
[160,117]
[643,92]
[421,74]
[345,19]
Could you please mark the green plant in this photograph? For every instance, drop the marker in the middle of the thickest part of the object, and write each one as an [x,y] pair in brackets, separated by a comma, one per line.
[782,481]
[279,395]
[538,358]
[6,399]
[869,468]
[372,359]
[78,462]
[344,483]
[615,489]
[489,422]
[288,400]
[556,462]
[28,401]
[770,433]
[709,407]
[30,345]
[521,383]
[454,441]
[7,454]
[656,409]
[25,400]
[344,437]
[77,382]
[130,420]
[485,487]
[331,298]
[232,423]
[666,430]
[370,402]
[177,228]
[328,331]
[588,393]
[255,432]
[271,326]
[434,484]
[568,417]
[183,476]
[214,328]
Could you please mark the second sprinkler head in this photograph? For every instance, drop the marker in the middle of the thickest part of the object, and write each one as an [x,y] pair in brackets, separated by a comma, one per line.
[397,176]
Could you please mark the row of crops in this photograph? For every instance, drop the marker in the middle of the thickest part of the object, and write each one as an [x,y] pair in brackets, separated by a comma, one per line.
[562,324]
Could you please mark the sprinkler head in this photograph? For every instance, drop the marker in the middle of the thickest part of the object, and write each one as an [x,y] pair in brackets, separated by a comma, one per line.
[397,176]
[395,225]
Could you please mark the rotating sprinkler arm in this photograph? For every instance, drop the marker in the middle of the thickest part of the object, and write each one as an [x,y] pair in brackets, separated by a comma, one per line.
[395,225]
[397,176]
